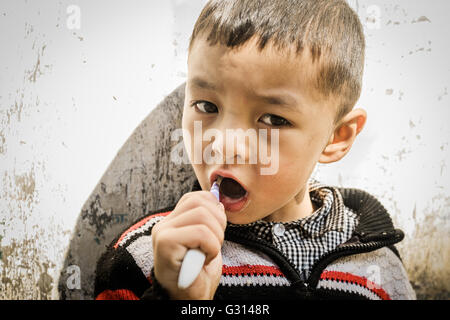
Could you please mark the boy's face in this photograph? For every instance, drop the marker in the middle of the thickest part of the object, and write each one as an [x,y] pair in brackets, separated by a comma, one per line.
[250,89]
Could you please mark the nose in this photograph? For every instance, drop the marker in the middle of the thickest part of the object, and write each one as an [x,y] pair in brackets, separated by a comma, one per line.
[234,145]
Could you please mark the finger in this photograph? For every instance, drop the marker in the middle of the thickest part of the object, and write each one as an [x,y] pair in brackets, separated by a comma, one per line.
[189,237]
[206,195]
[216,208]
[196,216]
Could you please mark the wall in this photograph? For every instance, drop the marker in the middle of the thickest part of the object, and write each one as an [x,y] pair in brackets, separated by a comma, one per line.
[76,78]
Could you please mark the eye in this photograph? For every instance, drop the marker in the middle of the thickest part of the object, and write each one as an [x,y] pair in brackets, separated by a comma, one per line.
[205,106]
[275,121]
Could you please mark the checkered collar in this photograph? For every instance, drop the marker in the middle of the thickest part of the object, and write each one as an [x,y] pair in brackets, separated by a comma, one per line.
[330,216]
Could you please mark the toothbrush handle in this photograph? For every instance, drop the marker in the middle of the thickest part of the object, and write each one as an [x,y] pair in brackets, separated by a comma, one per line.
[190,268]
[194,259]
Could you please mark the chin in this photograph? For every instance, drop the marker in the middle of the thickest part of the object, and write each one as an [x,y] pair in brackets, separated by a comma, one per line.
[242,217]
[232,218]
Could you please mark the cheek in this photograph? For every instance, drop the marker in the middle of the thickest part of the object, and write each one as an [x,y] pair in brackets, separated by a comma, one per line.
[303,148]
[188,125]
[284,183]
[297,153]
[297,158]
[188,131]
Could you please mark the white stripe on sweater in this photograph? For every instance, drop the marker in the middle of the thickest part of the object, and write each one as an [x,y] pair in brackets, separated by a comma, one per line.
[141,229]
[234,254]
[347,287]
[253,280]
[142,252]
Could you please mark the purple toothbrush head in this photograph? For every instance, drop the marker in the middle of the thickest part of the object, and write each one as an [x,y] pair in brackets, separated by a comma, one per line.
[215,190]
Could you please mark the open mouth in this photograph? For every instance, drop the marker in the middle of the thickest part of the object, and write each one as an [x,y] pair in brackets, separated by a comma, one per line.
[232,195]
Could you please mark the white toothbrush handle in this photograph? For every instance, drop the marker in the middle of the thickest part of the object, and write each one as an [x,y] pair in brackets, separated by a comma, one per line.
[190,268]
[194,259]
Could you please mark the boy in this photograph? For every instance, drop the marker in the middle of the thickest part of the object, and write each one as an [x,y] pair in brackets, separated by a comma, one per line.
[292,70]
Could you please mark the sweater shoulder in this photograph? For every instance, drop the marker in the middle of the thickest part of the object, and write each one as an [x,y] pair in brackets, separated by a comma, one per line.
[139,228]
[374,275]
[127,262]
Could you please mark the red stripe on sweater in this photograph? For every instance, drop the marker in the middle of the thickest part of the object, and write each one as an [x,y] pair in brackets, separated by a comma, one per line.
[364,282]
[138,225]
[251,269]
[119,294]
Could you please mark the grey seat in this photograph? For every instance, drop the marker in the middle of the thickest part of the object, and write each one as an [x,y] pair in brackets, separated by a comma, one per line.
[141,178]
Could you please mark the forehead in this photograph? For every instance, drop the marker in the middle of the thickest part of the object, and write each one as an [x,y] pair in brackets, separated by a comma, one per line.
[247,58]
[249,69]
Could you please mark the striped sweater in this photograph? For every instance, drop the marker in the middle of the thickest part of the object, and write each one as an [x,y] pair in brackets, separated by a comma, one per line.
[367,266]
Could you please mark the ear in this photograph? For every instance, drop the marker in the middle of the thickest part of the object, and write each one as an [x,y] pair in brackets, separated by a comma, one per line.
[343,136]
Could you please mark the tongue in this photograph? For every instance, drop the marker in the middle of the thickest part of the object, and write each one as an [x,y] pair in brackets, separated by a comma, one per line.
[231,188]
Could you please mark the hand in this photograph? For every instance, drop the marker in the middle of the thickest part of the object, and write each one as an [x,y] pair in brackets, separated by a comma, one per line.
[198,221]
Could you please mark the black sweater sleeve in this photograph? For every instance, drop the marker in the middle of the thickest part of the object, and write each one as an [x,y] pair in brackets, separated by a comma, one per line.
[118,277]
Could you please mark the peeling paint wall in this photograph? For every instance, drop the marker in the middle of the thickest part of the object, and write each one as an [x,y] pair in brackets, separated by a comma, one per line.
[77,78]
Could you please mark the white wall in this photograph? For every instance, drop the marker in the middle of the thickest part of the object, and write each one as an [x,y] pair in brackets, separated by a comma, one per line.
[76,78]
[403,155]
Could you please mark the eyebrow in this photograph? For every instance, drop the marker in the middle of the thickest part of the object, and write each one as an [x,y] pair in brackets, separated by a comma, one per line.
[202,84]
[285,101]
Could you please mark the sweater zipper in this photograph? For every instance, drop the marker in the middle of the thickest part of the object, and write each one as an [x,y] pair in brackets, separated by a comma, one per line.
[346,250]
[320,265]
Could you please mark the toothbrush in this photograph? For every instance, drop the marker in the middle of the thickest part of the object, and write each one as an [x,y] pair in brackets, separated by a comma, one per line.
[194,259]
